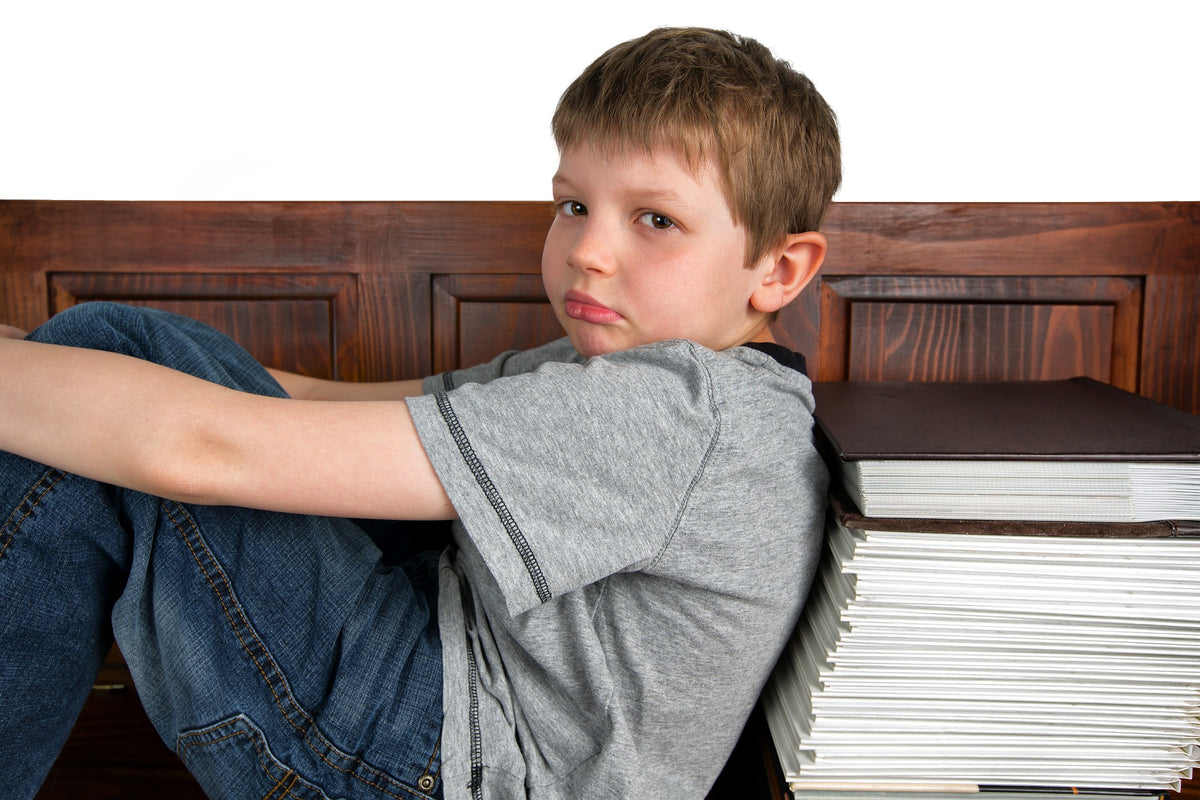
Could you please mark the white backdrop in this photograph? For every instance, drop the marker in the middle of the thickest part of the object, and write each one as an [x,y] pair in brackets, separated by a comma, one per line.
[357,100]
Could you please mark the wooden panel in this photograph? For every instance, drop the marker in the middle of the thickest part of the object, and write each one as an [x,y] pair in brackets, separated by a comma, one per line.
[1171,339]
[303,323]
[23,299]
[393,327]
[431,237]
[477,317]
[1155,243]
[968,342]
[1018,328]
[1012,238]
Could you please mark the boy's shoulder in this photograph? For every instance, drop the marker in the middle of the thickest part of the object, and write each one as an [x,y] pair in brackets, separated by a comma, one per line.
[746,366]
[507,363]
[671,355]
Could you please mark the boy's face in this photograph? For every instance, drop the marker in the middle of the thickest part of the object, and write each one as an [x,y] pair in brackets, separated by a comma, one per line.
[643,249]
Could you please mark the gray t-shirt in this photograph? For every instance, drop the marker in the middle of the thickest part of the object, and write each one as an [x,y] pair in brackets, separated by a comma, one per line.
[638,532]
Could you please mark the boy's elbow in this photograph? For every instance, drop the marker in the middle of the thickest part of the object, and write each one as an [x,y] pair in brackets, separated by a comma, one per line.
[189,466]
[182,488]
[174,480]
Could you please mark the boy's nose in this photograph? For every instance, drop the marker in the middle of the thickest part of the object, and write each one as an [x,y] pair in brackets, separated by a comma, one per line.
[591,251]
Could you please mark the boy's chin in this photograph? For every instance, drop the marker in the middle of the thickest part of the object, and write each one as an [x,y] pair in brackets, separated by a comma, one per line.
[589,349]
[590,342]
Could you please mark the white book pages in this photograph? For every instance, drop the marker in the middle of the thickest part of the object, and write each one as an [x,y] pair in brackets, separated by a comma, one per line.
[994,660]
[1027,490]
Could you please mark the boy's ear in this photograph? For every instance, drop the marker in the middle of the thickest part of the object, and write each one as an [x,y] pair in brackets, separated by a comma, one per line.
[787,270]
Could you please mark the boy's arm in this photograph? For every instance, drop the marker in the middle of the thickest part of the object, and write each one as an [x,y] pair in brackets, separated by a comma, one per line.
[135,424]
[302,387]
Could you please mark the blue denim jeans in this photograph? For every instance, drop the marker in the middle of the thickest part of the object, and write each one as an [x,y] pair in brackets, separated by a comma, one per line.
[278,655]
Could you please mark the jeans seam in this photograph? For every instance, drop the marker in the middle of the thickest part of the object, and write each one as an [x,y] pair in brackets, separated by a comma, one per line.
[11,526]
[189,530]
[265,760]
[285,791]
[430,772]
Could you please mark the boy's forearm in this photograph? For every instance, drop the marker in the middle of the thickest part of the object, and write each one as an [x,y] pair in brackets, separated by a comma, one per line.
[303,387]
[135,424]
[58,406]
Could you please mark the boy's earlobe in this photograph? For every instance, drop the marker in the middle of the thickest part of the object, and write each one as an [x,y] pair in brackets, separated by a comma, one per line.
[789,271]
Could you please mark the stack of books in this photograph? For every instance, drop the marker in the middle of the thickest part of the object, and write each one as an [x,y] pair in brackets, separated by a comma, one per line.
[1009,599]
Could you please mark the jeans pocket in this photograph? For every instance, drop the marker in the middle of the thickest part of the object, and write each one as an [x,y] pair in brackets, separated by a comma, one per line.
[231,760]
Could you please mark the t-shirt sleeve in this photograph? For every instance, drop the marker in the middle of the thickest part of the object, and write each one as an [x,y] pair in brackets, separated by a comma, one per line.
[570,473]
[510,362]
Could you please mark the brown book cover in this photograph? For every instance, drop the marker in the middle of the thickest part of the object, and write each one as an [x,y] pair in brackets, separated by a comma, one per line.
[1078,419]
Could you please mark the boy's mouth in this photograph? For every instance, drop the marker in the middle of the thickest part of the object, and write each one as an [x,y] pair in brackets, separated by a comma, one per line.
[580,306]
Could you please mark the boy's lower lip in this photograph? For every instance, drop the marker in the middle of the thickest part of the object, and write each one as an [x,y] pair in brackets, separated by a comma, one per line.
[587,312]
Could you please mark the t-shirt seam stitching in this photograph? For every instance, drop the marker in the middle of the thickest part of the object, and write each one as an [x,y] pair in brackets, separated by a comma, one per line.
[516,536]
[704,462]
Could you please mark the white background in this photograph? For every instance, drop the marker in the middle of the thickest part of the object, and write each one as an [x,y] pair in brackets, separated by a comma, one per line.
[353,100]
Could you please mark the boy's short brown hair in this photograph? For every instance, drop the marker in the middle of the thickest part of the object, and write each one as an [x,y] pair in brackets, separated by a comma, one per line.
[723,99]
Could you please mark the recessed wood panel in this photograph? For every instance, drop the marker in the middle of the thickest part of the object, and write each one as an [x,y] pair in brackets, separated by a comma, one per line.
[477,317]
[928,328]
[985,342]
[301,323]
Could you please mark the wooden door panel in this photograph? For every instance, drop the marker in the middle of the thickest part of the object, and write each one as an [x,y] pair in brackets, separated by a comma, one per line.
[477,317]
[301,323]
[985,342]
[928,328]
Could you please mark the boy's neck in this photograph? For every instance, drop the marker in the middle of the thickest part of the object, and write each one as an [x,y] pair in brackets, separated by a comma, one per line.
[763,335]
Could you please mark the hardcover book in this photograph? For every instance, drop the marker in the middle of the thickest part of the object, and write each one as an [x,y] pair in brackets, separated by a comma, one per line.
[1068,450]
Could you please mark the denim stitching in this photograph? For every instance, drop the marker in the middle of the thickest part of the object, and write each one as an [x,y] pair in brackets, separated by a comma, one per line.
[309,731]
[266,761]
[286,790]
[10,525]
[436,773]
[186,748]
[287,773]
[277,685]
[184,744]
[239,624]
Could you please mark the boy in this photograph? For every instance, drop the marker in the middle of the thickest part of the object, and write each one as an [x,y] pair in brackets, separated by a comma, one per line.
[638,506]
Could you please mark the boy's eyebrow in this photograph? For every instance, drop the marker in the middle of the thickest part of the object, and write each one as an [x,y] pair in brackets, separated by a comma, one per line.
[661,195]
[649,195]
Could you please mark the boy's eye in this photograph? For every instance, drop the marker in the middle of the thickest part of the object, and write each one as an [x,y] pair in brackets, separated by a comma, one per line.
[658,221]
[573,208]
